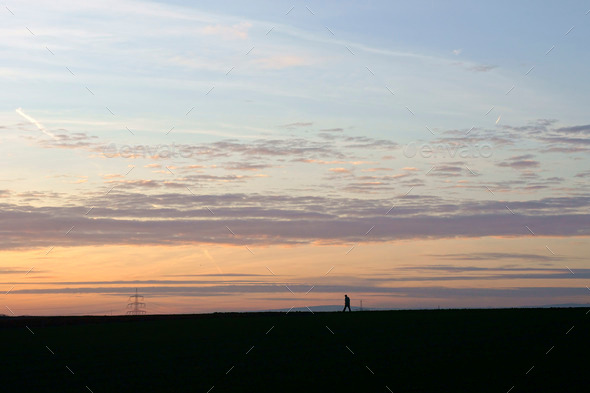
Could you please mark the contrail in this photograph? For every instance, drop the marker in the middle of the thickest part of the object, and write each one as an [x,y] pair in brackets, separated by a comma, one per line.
[35,122]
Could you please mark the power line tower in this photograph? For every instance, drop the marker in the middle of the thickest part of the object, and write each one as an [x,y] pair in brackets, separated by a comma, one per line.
[136,304]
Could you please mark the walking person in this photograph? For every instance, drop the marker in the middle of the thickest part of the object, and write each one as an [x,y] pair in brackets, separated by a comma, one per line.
[346,304]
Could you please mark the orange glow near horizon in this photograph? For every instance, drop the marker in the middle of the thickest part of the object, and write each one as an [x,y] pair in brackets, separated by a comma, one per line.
[209,278]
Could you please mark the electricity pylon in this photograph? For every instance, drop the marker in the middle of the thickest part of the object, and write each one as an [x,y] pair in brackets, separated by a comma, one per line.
[136,305]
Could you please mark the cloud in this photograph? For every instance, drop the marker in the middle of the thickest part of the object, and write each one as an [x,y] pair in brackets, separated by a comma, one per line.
[238,30]
[377,169]
[457,52]
[520,162]
[339,170]
[18,270]
[448,170]
[173,219]
[481,68]
[297,125]
[490,256]
[584,129]
[433,292]
[245,166]
[281,62]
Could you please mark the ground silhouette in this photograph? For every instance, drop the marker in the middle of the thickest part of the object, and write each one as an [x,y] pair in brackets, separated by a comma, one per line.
[407,351]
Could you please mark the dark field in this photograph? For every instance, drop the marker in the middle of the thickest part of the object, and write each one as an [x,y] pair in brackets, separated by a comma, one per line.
[407,351]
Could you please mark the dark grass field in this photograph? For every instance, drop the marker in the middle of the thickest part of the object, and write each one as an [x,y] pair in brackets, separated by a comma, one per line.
[407,351]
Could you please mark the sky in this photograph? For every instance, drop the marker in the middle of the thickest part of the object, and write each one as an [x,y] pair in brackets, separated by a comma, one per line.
[242,156]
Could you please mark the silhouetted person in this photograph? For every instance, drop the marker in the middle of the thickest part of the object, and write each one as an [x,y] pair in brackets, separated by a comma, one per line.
[346,304]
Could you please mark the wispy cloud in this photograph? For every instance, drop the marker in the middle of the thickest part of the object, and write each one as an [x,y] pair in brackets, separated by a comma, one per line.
[239,30]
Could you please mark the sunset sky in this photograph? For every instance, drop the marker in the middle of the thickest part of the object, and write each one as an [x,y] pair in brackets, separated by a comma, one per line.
[236,156]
